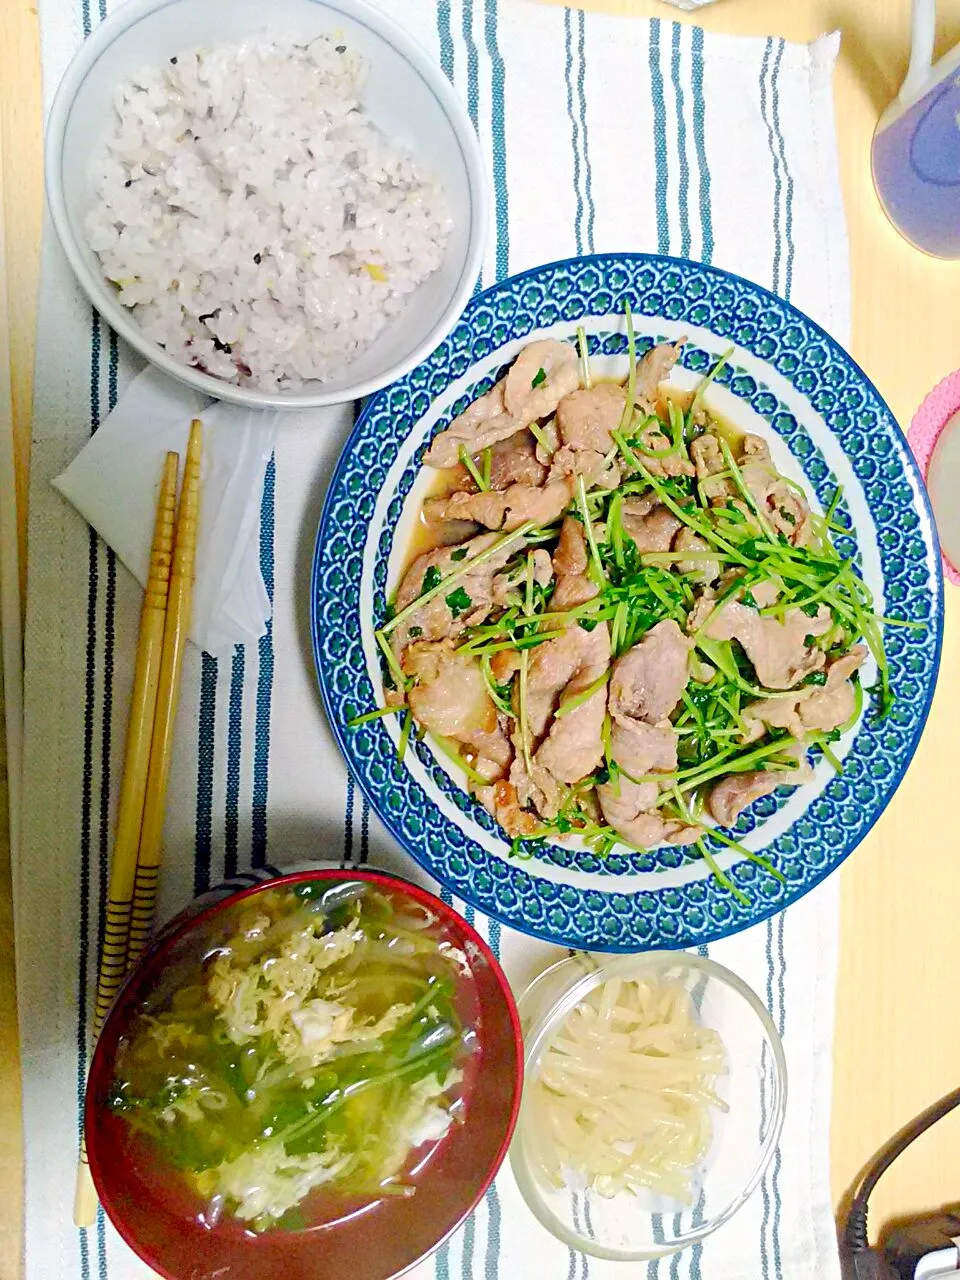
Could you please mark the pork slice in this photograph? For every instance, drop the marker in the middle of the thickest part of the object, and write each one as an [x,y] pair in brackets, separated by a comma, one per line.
[709,463]
[586,418]
[731,795]
[507,510]
[503,803]
[513,581]
[784,509]
[701,571]
[814,707]
[667,465]
[490,754]
[436,620]
[773,713]
[653,368]
[833,704]
[449,695]
[542,374]
[651,530]
[548,441]
[648,680]
[481,425]
[539,789]
[589,463]
[575,657]
[629,806]
[570,562]
[570,556]
[640,748]
[630,810]
[777,649]
[515,461]
[573,747]
[788,513]
[511,461]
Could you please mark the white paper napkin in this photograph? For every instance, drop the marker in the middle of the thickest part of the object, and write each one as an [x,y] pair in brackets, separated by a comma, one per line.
[114,481]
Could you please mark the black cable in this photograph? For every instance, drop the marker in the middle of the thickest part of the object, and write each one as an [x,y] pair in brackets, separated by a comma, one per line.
[855,1227]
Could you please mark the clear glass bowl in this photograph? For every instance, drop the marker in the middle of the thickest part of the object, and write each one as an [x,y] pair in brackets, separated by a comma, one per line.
[629,1227]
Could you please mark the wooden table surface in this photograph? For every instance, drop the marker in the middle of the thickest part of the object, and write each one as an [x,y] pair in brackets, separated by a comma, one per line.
[897,1044]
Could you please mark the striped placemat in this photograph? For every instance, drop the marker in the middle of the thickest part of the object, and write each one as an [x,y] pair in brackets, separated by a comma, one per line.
[601,134]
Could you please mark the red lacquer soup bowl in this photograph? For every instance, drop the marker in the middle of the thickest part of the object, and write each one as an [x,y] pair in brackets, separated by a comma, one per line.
[158,1208]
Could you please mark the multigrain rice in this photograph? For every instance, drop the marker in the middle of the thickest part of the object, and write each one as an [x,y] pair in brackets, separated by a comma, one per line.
[256,222]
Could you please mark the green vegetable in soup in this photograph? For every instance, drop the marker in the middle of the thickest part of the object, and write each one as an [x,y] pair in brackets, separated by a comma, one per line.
[318,1046]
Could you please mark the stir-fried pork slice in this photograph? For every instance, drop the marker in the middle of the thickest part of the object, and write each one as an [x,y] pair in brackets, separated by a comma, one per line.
[596,470]
[570,556]
[437,619]
[507,510]
[731,795]
[783,508]
[574,744]
[662,461]
[512,404]
[593,466]
[570,562]
[778,650]
[584,422]
[449,695]
[787,513]
[629,806]
[631,812]
[653,368]
[503,804]
[709,463]
[707,571]
[651,528]
[490,754]
[453,533]
[571,661]
[640,748]
[542,374]
[512,461]
[508,586]
[834,703]
[814,708]
[538,789]
[515,461]
[774,713]
[481,425]
[586,418]
[450,698]
[647,680]
[548,442]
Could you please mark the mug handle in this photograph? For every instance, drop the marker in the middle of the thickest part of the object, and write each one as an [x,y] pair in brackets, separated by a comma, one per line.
[922,33]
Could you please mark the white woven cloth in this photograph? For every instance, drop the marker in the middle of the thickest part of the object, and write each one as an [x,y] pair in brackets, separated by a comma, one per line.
[601,134]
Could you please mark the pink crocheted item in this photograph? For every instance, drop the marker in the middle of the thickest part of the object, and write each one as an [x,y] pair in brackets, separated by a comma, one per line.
[929,420]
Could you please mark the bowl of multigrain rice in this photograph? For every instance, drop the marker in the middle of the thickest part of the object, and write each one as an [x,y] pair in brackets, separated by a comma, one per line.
[280,206]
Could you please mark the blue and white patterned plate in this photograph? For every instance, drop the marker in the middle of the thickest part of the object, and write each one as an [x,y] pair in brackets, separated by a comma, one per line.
[826,424]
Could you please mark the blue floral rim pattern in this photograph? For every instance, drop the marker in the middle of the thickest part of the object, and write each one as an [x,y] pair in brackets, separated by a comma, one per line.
[548,897]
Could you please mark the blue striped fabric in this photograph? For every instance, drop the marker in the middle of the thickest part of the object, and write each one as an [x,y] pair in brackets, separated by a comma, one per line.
[232,795]
[234,747]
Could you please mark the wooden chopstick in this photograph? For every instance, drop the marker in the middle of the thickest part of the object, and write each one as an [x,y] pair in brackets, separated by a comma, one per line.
[143,832]
[146,679]
[161,750]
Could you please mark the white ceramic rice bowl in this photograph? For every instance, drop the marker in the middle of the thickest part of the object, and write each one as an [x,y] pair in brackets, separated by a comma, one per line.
[406,95]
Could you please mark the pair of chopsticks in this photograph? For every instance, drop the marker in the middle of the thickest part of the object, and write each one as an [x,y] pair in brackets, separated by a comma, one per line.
[135,867]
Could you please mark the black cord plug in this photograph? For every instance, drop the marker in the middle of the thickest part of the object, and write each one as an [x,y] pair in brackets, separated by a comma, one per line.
[858,1260]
